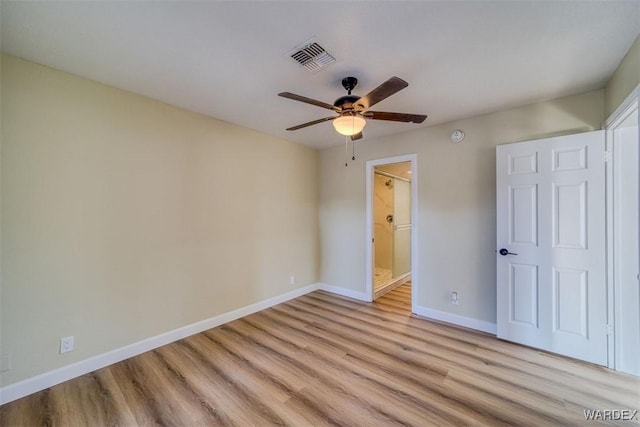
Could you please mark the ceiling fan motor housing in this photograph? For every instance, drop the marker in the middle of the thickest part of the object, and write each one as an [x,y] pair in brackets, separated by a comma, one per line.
[349,83]
[345,103]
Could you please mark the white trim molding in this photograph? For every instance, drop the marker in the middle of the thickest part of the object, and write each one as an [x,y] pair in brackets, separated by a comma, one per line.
[629,103]
[48,379]
[623,339]
[345,292]
[456,319]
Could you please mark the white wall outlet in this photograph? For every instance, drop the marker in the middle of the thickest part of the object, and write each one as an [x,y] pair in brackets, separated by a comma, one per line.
[5,362]
[66,344]
[454,298]
[292,280]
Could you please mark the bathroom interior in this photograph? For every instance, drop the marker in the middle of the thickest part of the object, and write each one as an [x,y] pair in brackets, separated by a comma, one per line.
[392,227]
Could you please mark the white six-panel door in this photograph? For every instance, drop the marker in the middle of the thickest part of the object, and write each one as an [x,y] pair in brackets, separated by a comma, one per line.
[551,220]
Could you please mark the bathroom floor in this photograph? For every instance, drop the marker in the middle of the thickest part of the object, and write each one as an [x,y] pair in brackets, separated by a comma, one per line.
[382,276]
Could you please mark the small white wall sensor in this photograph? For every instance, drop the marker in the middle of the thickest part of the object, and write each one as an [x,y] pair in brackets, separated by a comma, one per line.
[456,136]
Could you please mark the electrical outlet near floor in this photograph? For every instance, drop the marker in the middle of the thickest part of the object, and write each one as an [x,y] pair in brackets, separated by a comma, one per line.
[66,345]
[292,279]
[454,298]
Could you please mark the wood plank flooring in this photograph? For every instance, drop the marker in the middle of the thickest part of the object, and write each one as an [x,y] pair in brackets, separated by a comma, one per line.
[326,360]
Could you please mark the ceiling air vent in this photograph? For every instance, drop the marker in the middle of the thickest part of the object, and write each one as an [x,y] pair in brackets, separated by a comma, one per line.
[312,56]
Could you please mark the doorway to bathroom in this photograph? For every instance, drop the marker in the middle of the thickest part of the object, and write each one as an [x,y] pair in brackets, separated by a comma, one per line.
[391,226]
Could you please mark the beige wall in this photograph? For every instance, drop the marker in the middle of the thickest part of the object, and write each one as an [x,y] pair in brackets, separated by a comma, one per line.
[123,217]
[624,80]
[456,206]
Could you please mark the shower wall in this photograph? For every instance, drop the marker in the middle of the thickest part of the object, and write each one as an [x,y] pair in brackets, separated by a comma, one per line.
[401,258]
[383,206]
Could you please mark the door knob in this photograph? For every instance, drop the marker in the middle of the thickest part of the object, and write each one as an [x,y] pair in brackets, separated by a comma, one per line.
[505,252]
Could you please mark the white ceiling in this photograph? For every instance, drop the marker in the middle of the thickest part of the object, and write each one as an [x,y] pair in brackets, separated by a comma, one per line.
[228,59]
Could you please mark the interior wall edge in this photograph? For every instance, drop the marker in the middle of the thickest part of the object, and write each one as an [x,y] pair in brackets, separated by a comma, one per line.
[624,79]
[51,378]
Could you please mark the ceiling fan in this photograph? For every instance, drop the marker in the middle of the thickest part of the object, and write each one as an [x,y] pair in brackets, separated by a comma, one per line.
[353,110]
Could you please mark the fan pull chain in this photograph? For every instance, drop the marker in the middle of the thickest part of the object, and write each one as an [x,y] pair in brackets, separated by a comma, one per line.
[346,151]
[353,150]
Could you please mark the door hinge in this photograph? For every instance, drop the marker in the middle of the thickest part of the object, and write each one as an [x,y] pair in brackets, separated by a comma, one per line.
[607,156]
[609,329]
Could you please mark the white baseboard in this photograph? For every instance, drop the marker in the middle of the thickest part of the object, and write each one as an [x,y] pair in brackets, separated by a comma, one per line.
[456,319]
[48,379]
[350,293]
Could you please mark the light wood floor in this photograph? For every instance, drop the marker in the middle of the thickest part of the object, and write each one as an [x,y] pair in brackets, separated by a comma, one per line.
[326,360]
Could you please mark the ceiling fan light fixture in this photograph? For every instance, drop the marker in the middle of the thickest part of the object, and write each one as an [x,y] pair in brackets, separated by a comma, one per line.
[349,125]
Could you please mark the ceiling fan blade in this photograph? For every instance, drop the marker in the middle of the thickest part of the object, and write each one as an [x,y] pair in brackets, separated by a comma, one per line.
[356,137]
[306,100]
[385,90]
[394,117]
[315,122]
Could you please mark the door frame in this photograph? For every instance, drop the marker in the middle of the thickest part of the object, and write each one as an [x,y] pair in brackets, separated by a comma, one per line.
[627,107]
[371,164]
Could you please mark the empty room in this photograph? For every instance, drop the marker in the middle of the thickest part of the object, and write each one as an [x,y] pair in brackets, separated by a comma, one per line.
[304,213]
